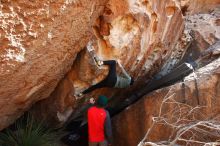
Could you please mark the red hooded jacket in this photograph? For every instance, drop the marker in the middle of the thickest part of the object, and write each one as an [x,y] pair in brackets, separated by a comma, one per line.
[99,124]
[96,119]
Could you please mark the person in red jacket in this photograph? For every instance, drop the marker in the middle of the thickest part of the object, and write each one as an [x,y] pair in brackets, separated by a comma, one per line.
[99,124]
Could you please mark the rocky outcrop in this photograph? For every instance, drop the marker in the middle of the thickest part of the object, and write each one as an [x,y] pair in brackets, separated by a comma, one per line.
[43,55]
[179,114]
[139,34]
[201,31]
[198,6]
[174,115]
[39,42]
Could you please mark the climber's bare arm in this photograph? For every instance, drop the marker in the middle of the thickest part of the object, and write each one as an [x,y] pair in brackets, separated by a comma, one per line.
[123,70]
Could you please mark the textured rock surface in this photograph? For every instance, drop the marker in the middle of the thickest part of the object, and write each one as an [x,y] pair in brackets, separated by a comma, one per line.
[140,34]
[201,31]
[131,125]
[198,6]
[39,41]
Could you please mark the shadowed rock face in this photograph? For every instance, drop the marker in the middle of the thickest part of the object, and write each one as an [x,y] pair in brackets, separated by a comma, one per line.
[160,111]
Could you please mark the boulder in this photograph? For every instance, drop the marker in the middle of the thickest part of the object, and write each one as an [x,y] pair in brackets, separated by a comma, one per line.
[39,42]
[139,34]
[176,114]
[198,6]
[44,59]
[200,32]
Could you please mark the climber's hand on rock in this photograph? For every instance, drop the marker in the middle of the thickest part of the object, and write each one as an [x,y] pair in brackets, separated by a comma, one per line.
[92,100]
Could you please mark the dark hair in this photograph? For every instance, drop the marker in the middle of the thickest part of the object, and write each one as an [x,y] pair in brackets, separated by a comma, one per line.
[102,101]
[132,81]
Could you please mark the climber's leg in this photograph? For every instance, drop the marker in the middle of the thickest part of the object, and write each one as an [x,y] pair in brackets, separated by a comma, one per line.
[109,81]
[94,87]
[112,67]
[111,78]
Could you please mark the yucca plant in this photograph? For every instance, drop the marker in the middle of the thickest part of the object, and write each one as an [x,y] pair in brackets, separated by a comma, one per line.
[29,132]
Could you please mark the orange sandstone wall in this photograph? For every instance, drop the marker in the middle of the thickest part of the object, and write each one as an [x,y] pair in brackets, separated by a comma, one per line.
[170,108]
[39,42]
[140,34]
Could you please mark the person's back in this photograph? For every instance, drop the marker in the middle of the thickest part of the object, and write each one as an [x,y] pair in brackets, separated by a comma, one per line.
[99,124]
[96,119]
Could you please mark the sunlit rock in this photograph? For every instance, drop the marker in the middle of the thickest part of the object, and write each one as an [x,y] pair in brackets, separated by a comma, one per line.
[201,31]
[39,42]
[140,34]
[44,57]
[198,6]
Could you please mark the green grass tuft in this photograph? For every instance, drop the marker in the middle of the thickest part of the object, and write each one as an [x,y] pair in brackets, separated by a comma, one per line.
[29,132]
